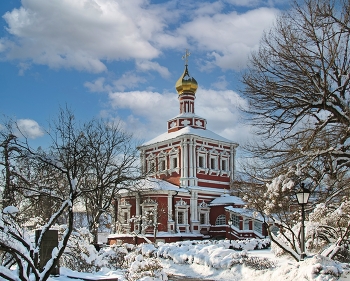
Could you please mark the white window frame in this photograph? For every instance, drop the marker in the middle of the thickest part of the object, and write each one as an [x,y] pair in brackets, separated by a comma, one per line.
[213,156]
[174,156]
[162,165]
[162,159]
[174,162]
[220,220]
[182,207]
[258,226]
[124,208]
[203,209]
[148,205]
[224,162]
[235,221]
[246,224]
[201,157]
[180,214]
[213,163]
[151,164]
[152,167]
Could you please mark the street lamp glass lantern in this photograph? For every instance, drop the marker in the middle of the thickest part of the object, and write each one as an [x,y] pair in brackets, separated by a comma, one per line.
[230,221]
[303,195]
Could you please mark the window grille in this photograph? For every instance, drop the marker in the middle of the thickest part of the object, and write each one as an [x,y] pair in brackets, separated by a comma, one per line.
[220,220]
[180,218]
[202,219]
[235,221]
[258,227]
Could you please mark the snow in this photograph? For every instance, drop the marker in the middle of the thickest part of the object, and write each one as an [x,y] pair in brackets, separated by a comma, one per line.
[152,184]
[10,210]
[227,199]
[246,213]
[215,261]
[189,131]
[158,184]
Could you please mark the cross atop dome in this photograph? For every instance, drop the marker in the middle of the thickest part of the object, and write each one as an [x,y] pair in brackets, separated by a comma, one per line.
[185,56]
[186,84]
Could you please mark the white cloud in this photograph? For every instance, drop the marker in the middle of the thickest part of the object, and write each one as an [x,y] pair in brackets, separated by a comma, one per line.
[22,68]
[149,111]
[29,128]
[221,84]
[2,45]
[228,37]
[245,3]
[209,8]
[149,65]
[150,105]
[221,108]
[98,85]
[128,80]
[85,34]
[82,33]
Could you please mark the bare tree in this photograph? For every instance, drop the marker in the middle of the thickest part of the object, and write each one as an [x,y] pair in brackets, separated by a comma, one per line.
[113,165]
[297,86]
[64,173]
[65,156]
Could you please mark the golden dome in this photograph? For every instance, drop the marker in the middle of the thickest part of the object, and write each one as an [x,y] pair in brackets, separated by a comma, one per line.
[186,83]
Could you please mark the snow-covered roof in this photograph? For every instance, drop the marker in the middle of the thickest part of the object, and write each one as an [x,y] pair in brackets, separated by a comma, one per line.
[227,199]
[188,131]
[152,184]
[246,213]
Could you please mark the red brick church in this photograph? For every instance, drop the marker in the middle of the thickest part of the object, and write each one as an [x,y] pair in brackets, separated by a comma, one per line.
[190,172]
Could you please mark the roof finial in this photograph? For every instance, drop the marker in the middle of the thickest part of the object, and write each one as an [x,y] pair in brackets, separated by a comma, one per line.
[185,57]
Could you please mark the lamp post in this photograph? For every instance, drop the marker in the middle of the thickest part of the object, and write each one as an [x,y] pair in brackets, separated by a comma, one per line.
[302,197]
[230,223]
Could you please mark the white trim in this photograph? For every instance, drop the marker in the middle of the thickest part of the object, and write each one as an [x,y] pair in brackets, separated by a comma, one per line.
[211,181]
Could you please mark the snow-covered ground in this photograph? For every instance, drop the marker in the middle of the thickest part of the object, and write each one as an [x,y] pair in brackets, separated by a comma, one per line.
[217,262]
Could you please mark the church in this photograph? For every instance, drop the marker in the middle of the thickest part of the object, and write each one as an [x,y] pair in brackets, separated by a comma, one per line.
[187,193]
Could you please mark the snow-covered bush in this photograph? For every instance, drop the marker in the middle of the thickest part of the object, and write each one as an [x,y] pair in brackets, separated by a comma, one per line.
[249,244]
[329,230]
[214,253]
[82,256]
[114,256]
[143,268]
[325,266]
[257,263]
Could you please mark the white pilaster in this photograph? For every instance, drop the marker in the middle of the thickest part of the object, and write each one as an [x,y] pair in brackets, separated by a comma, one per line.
[137,211]
[170,206]
[232,162]
[194,206]
[184,169]
[190,151]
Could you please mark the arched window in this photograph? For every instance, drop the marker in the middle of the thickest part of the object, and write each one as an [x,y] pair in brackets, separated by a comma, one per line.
[220,220]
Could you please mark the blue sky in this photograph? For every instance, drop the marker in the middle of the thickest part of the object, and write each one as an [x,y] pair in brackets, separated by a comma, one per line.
[120,59]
